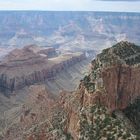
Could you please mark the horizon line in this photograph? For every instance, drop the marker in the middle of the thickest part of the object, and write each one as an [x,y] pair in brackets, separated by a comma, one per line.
[39,10]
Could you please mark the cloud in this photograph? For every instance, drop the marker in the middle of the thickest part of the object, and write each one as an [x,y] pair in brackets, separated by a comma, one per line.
[71,5]
[46,4]
[120,0]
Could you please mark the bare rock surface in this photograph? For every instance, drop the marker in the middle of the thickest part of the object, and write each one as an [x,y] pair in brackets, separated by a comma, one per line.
[24,67]
[85,114]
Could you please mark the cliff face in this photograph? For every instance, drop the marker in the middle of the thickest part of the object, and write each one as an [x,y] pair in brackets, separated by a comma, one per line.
[115,73]
[122,86]
[112,85]
[27,66]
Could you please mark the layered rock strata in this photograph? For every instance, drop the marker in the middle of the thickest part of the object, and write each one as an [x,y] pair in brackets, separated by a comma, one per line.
[86,114]
[28,66]
[115,74]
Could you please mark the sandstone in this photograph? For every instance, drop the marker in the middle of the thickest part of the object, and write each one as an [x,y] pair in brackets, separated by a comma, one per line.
[85,113]
[119,69]
[24,67]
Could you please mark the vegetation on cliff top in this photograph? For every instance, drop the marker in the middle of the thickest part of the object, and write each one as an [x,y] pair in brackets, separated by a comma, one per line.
[123,53]
[99,125]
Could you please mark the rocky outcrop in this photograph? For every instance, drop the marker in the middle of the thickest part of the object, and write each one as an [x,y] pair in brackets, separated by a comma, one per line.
[28,66]
[112,85]
[115,75]
[122,86]
[87,113]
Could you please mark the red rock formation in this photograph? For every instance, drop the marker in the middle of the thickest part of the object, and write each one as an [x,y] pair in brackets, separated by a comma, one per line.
[121,87]
[122,84]
[27,66]
[115,73]
[74,113]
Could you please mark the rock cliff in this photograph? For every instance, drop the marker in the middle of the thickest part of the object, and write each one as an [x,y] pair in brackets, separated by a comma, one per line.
[88,113]
[111,86]
[116,71]
[32,65]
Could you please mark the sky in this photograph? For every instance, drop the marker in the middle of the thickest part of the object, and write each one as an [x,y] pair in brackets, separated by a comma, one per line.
[72,5]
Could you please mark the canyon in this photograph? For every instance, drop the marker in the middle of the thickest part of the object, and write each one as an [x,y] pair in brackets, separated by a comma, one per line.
[37,65]
[24,67]
[68,30]
[69,75]
[94,111]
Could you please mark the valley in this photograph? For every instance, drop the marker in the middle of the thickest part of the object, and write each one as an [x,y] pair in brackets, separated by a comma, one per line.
[35,65]
[95,110]
[69,75]
[72,31]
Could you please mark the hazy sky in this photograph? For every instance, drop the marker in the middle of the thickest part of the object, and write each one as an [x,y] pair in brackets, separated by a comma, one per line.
[72,5]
